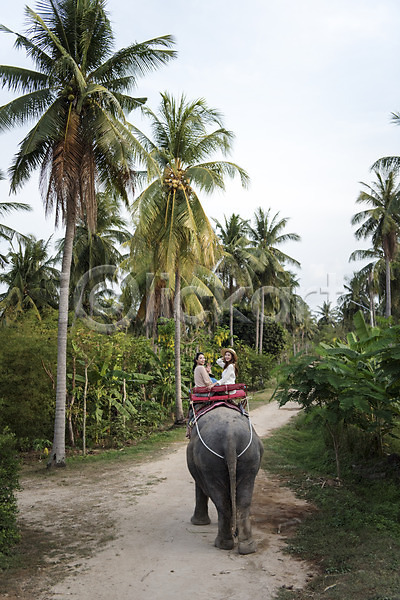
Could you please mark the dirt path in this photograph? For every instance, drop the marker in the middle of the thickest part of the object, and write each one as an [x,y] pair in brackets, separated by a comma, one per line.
[135,525]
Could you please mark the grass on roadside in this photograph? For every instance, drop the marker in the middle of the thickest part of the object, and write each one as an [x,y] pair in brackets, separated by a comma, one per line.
[353,536]
[145,449]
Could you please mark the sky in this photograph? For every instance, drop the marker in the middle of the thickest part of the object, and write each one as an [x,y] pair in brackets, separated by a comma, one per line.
[308,88]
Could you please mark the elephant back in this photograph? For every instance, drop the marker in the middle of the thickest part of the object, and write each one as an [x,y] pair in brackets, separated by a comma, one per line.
[224,432]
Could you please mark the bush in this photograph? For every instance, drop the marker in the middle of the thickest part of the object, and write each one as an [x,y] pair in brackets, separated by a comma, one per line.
[27,396]
[9,466]
[254,369]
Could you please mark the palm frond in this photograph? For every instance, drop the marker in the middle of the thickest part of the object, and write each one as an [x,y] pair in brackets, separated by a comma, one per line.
[387,163]
[34,147]
[42,60]
[136,60]
[19,79]
[210,175]
[25,108]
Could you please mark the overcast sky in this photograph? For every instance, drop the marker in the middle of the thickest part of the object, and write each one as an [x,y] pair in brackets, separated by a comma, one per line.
[308,88]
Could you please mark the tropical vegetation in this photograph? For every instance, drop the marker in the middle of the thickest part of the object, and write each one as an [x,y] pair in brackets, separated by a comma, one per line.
[381,221]
[98,332]
[185,136]
[31,278]
[78,97]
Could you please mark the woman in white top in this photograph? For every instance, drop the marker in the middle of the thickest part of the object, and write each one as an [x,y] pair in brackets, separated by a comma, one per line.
[228,364]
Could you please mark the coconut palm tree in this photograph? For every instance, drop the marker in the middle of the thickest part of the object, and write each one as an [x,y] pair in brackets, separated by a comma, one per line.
[266,235]
[101,247]
[360,293]
[237,264]
[327,314]
[170,216]
[32,279]
[77,97]
[381,221]
[366,284]
[148,291]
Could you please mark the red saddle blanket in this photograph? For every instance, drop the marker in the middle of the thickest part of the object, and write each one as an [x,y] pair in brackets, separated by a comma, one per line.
[219,393]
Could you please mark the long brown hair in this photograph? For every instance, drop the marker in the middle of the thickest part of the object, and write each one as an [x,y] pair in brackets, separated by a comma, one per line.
[230,362]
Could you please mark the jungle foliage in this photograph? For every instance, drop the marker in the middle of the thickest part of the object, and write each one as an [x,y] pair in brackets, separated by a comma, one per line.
[9,466]
[28,350]
[353,383]
[120,387]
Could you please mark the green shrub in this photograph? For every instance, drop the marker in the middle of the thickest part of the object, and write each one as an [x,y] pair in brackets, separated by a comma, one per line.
[254,369]
[28,352]
[353,383]
[9,465]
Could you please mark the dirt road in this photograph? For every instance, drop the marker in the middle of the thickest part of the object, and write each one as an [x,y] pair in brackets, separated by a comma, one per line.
[126,534]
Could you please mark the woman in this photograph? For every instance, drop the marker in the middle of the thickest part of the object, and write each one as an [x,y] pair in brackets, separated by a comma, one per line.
[201,377]
[228,364]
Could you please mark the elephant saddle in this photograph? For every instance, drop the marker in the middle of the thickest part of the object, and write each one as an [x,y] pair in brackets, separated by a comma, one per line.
[203,400]
[233,392]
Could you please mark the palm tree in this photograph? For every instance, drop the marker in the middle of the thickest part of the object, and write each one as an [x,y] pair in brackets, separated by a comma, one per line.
[78,97]
[365,284]
[266,235]
[327,314]
[32,280]
[148,290]
[360,294]
[100,247]
[308,328]
[237,264]
[382,220]
[171,218]
[7,233]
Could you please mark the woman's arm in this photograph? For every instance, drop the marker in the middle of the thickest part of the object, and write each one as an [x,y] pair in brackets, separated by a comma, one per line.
[220,362]
[228,376]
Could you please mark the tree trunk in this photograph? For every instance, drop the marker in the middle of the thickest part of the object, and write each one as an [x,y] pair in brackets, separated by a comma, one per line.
[231,311]
[57,455]
[179,417]
[231,320]
[336,446]
[257,326]
[388,309]
[84,410]
[71,404]
[260,351]
[371,299]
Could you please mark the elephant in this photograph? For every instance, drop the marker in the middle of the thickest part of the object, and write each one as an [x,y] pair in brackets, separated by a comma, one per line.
[223,456]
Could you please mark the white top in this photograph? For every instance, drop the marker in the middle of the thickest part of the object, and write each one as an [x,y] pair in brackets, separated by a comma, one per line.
[228,374]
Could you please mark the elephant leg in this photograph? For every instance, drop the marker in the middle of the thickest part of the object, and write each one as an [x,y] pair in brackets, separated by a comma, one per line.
[200,515]
[224,539]
[246,543]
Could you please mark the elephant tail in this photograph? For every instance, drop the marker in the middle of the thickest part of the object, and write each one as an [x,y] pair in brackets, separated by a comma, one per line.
[231,460]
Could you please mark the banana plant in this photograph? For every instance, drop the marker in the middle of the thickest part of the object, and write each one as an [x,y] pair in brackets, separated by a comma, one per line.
[348,383]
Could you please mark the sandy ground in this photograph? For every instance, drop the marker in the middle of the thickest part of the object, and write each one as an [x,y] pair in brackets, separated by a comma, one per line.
[134,522]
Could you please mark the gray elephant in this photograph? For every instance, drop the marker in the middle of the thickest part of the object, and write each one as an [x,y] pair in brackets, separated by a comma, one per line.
[223,456]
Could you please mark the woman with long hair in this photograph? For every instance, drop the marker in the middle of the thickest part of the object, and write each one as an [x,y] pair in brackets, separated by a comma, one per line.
[228,362]
[200,375]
